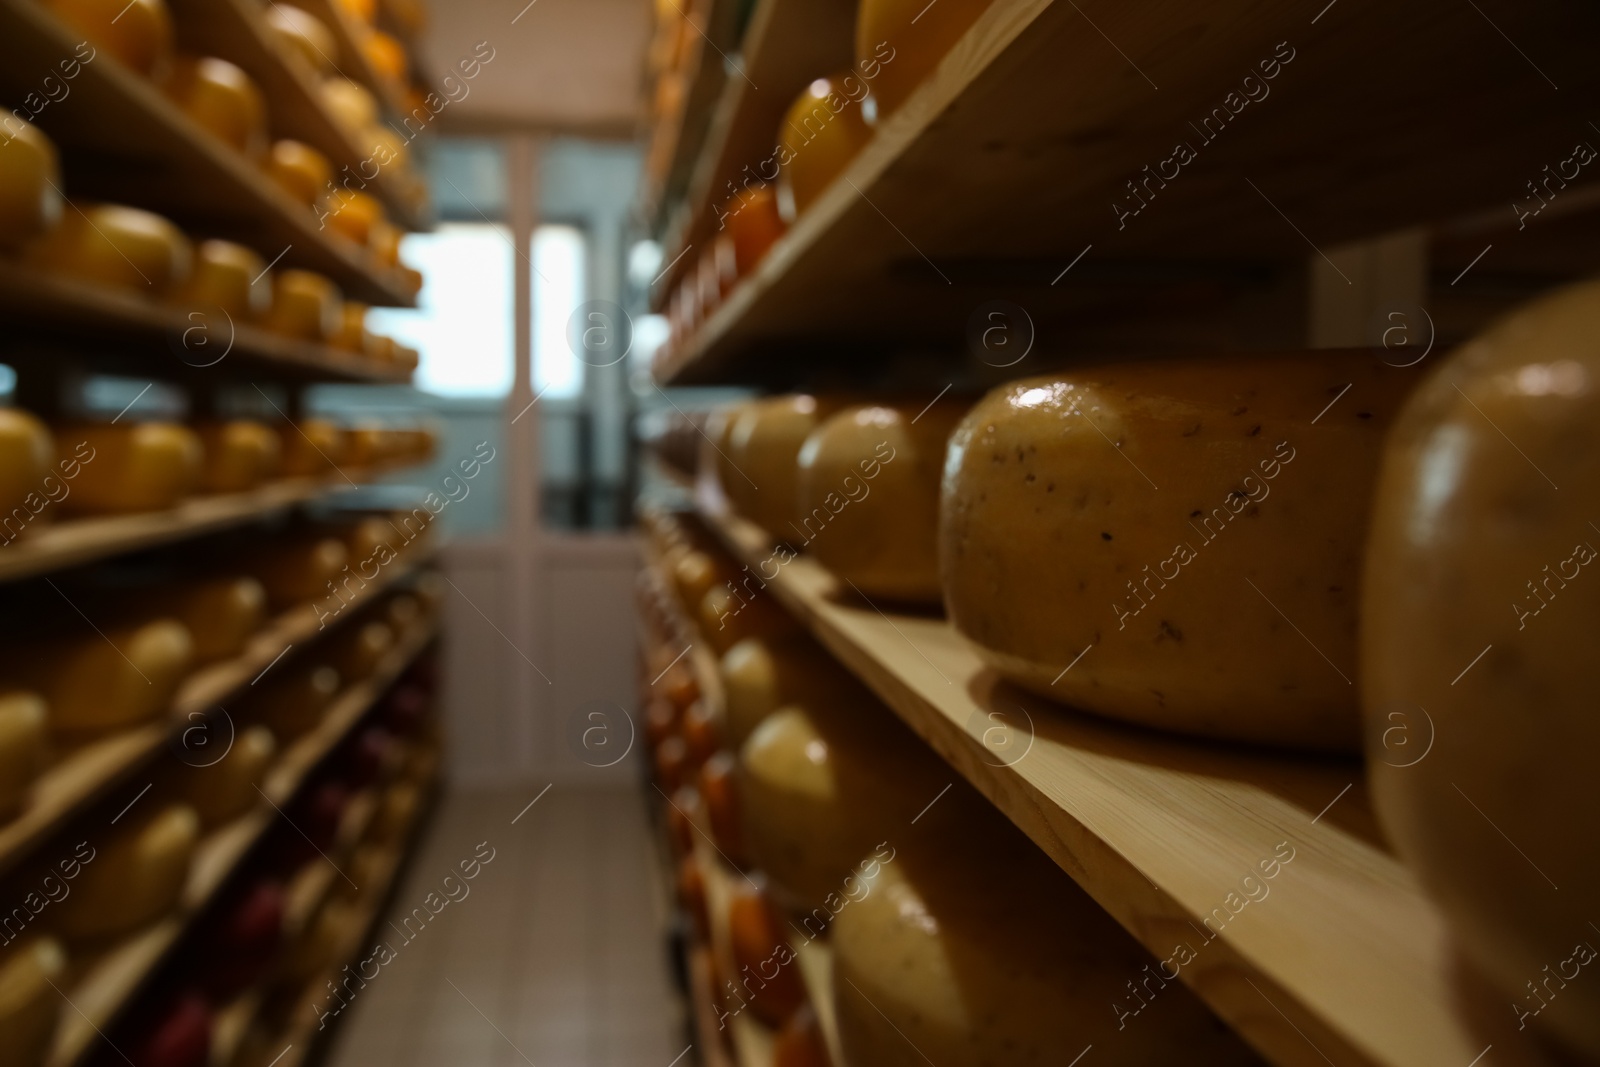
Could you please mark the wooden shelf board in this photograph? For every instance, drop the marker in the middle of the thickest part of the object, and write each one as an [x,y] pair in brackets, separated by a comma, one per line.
[1345,959]
[121,139]
[814,957]
[1005,165]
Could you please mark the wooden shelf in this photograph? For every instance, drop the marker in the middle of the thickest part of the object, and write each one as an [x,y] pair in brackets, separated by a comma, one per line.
[814,957]
[122,140]
[1005,166]
[237,31]
[167,340]
[89,773]
[1349,960]
[112,981]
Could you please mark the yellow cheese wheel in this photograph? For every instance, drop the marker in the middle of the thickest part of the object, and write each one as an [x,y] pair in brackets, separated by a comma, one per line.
[223,100]
[240,455]
[868,497]
[1481,602]
[717,443]
[136,877]
[304,34]
[760,676]
[1192,530]
[304,305]
[404,614]
[370,445]
[351,213]
[24,747]
[821,134]
[387,148]
[300,170]
[221,614]
[729,615]
[30,183]
[694,573]
[386,55]
[352,333]
[311,447]
[405,357]
[385,242]
[27,455]
[301,570]
[819,787]
[412,281]
[31,975]
[764,450]
[118,246]
[373,540]
[136,32]
[225,275]
[365,11]
[397,812]
[136,466]
[351,106]
[324,941]
[227,788]
[293,703]
[103,681]
[361,649]
[900,42]
[969,948]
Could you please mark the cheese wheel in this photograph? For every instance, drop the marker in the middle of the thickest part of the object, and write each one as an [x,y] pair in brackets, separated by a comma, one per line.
[373,540]
[351,106]
[1480,605]
[822,132]
[311,447]
[729,614]
[225,275]
[404,614]
[401,802]
[351,213]
[293,704]
[764,451]
[365,11]
[24,747]
[370,445]
[768,982]
[970,948]
[301,570]
[694,573]
[304,34]
[240,454]
[820,787]
[31,973]
[226,789]
[900,42]
[136,32]
[300,170]
[386,55]
[405,357]
[221,614]
[384,239]
[361,649]
[869,496]
[412,280]
[117,246]
[754,221]
[136,466]
[305,305]
[223,100]
[98,682]
[27,454]
[352,333]
[136,877]
[30,183]
[1192,530]
[760,676]
[801,1042]
[326,938]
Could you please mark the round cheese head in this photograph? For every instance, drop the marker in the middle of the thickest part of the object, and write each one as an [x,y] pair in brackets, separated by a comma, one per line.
[137,33]
[301,570]
[223,100]
[27,456]
[94,682]
[24,747]
[131,466]
[300,170]
[31,972]
[226,276]
[764,449]
[30,184]
[221,614]
[759,676]
[227,788]
[822,132]
[1481,603]
[900,42]
[118,246]
[293,704]
[137,875]
[305,305]
[304,34]
[240,455]
[1174,544]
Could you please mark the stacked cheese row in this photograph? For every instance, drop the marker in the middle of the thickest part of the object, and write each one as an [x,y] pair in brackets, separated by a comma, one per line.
[220,283]
[898,43]
[226,102]
[122,880]
[947,926]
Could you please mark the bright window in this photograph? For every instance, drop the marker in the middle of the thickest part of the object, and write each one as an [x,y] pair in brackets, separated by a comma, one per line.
[560,256]
[463,322]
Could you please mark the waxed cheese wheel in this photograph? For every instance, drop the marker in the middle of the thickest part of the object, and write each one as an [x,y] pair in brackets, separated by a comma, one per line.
[293,704]
[24,747]
[27,454]
[298,169]
[370,444]
[397,812]
[764,450]
[300,570]
[820,786]
[137,875]
[1481,604]
[868,497]
[969,948]
[373,541]
[103,681]
[822,132]
[222,100]
[304,34]
[384,240]
[227,788]
[32,972]
[225,275]
[359,650]
[240,454]
[324,940]
[352,213]
[760,676]
[311,446]
[136,466]
[30,184]
[732,612]
[755,223]
[1174,544]
[221,614]
[118,246]
[351,106]
[715,444]
[305,305]
[403,613]
[900,42]
[386,55]
[136,32]
[352,333]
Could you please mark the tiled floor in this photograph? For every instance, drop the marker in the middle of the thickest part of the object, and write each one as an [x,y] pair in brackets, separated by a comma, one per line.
[554,958]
